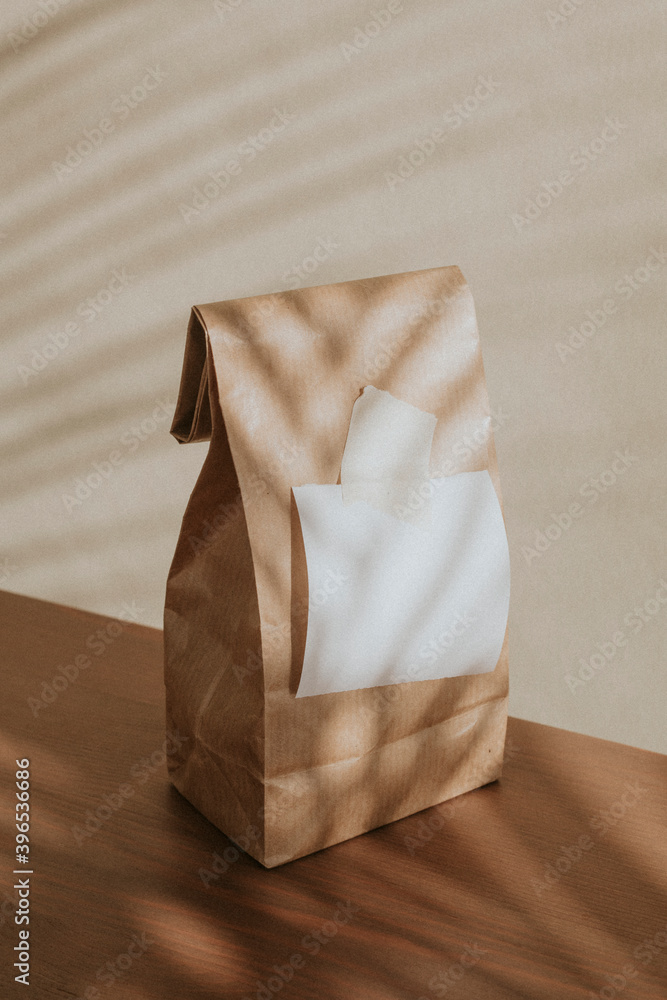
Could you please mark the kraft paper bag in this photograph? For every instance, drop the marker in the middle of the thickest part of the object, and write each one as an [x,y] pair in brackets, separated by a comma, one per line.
[336,609]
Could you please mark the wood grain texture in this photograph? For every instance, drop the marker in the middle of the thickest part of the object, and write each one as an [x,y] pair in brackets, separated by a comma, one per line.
[413,896]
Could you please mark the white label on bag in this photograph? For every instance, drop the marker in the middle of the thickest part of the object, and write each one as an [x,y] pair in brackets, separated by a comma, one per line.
[391,601]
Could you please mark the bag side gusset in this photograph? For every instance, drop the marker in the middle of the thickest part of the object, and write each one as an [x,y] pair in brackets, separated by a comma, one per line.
[214,702]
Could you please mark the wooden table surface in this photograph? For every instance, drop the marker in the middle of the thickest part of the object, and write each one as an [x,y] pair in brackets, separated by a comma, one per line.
[551,883]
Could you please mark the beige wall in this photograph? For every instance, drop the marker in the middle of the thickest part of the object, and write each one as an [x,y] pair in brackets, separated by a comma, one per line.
[353,103]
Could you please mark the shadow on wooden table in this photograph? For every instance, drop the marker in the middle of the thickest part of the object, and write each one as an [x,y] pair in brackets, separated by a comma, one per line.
[543,884]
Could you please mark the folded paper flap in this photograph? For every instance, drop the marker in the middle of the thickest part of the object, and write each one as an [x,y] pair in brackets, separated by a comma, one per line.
[387,454]
[192,418]
[387,439]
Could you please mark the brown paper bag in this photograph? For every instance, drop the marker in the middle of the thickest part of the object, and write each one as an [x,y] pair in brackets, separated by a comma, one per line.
[273,381]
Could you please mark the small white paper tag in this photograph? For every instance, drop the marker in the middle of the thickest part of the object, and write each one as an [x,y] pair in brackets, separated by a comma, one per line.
[386,456]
